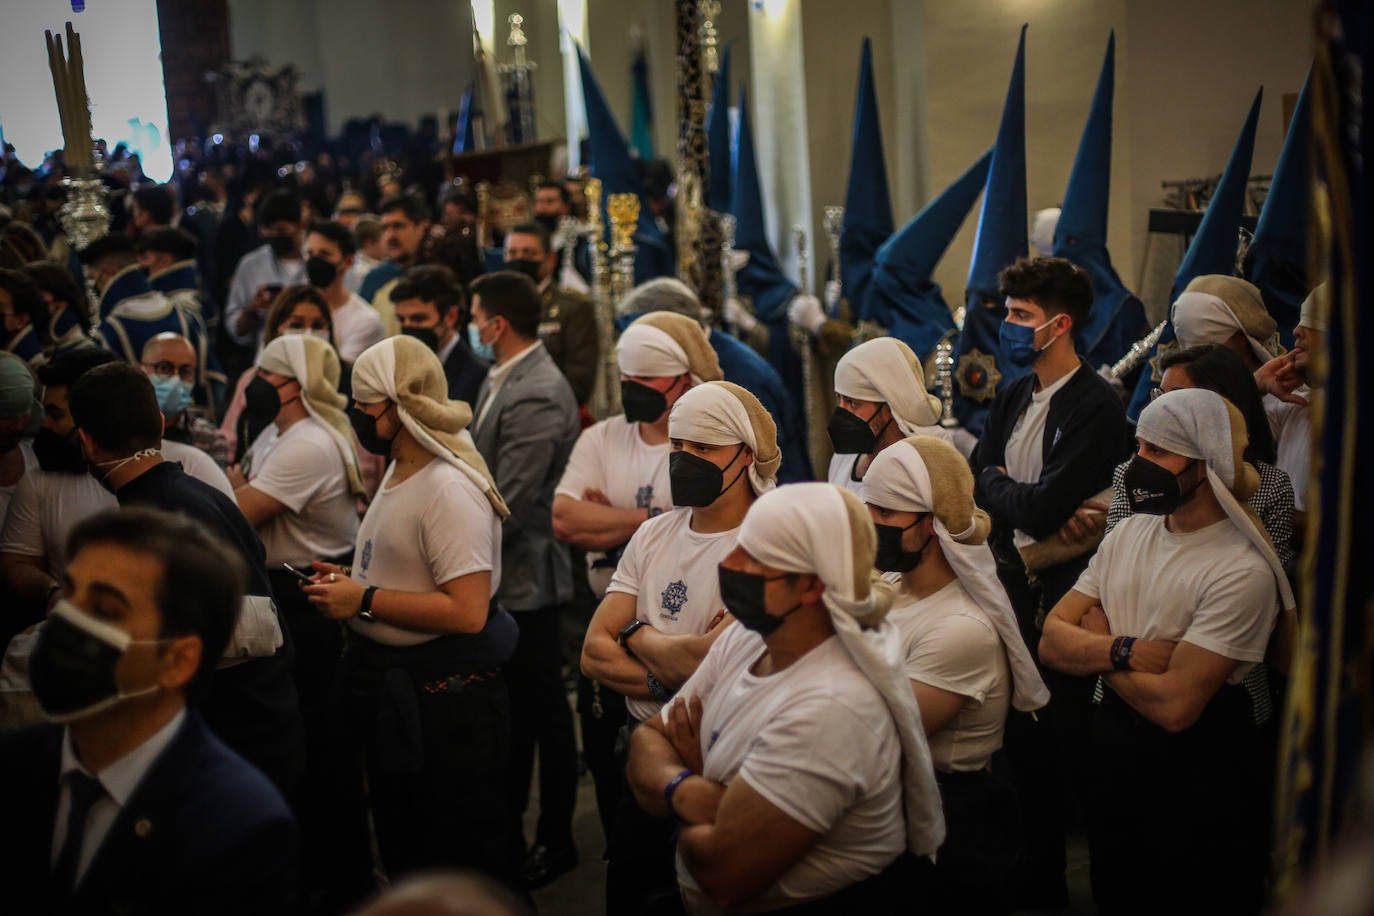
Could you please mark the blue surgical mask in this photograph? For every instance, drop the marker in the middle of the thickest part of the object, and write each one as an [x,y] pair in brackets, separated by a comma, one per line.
[173,395]
[483,350]
[1017,342]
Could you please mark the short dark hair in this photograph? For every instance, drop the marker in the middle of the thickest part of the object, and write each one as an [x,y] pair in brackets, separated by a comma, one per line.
[513,296]
[414,208]
[58,282]
[113,246]
[116,405]
[337,233]
[65,368]
[26,241]
[557,186]
[158,201]
[1054,284]
[203,579]
[367,228]
[179,243]
[460,196]
[28,298]
[1218,368]
[537,230]
[430,283]
[279,206]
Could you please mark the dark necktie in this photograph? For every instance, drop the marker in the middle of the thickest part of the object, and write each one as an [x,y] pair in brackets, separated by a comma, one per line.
[84,792]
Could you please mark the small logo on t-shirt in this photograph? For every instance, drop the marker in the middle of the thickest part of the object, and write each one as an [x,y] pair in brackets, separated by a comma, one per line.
[673,599]
[714,736]
[644,497]
[367,554]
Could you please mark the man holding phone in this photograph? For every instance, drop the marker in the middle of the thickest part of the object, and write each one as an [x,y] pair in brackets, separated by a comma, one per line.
[265,270]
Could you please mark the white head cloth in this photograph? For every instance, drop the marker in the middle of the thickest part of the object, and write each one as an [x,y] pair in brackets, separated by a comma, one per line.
[717,413]
[312,363]
[898,479]
[1201,318]
[801,528]
[647,351]
[885,369]
[1316,308]
[1042,231]
[1195,423]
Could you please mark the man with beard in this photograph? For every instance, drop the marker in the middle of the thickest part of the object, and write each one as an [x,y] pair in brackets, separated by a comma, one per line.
[567,326]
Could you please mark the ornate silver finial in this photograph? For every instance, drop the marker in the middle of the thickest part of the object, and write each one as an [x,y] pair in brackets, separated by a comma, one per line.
[517,37]
[710,35]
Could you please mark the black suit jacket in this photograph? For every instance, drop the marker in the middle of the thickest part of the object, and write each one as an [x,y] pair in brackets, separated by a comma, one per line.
[204,832]
[465,371]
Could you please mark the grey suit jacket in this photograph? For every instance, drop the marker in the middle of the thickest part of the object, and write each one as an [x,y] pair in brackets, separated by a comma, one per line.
[526,436]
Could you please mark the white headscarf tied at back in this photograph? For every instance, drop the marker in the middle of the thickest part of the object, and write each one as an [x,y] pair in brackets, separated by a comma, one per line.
[662,344]
[885,369]
[722,413]
[820,529]
[1214,307]
[315,365]
[1198,423]
[405,371]
[903,478]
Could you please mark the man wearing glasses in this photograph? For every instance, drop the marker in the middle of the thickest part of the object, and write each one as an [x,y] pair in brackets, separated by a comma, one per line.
[169,361]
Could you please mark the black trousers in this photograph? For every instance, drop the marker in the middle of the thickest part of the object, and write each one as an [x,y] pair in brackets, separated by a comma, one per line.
[641,872]
[540,716]
[1177,821]
[601,712]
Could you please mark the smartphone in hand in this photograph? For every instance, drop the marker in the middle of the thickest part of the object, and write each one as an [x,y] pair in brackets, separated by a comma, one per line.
[298,574]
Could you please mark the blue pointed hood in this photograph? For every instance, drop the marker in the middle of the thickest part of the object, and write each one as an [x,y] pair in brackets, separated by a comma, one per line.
[867,202]
[761,279]
[1277,259]
[1213,249]
[718,193]
[901,295]
[1117,317]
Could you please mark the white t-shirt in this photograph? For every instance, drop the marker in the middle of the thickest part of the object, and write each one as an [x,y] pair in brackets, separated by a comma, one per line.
[7,492]
[673,572]
[47,505]
[431,528]
[841,472]
[951,644]
[357,326]
[818,742]
[611,457]
[1211,587]
[1025,452]
[1292,426]
[303,470]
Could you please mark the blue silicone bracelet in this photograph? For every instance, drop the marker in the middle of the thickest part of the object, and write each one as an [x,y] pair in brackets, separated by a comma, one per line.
[672,785]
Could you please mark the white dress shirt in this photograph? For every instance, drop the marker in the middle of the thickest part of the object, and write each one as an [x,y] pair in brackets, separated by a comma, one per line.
[496,377]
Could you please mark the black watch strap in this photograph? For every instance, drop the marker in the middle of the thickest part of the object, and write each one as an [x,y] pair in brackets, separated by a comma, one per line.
[626,632]
[365,607]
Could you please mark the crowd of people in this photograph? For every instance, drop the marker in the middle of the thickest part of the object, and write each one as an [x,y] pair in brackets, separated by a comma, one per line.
[298,518]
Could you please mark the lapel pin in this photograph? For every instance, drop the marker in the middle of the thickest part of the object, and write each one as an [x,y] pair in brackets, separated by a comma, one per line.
[143,827]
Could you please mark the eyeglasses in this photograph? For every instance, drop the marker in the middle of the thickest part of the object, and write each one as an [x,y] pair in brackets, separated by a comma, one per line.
[186,371]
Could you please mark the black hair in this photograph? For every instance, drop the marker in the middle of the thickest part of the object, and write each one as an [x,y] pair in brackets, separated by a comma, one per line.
[460,196]
[58,282]
[65,368]
[26,241]
[203,579]
[430,283]
[158,201]
[28,298]
[111,246]
[557,186]
[337,233]
[117,407]
[537,230]
[1054,284]
[1218,368]
[179,243]
[414,208]
[513,296]
[278,206]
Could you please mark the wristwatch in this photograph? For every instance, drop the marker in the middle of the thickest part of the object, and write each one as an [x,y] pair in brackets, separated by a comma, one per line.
[1121,652]
[626,632]
[658,691]
[365,608]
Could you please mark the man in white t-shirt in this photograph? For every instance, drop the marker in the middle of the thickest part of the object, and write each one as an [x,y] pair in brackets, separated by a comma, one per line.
[880,398]
[1175,609]
[663,608]
[794,758]
[329,251]
[418,602]
[965,656]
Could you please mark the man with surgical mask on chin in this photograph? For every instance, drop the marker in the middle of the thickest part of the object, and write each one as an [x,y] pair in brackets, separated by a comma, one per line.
[567,326]
[128,780]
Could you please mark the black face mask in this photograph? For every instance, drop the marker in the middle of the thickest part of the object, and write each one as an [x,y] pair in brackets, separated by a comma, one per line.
[742,594]
[641,403]
[283,246]
[262,401]
[61,454]
[850,434]
[548,221]
[1152,489]
[365,428]
[72,670]
[9,443]
[891,557]
[320,273]
[696,481]
[427,336]
[530,269]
